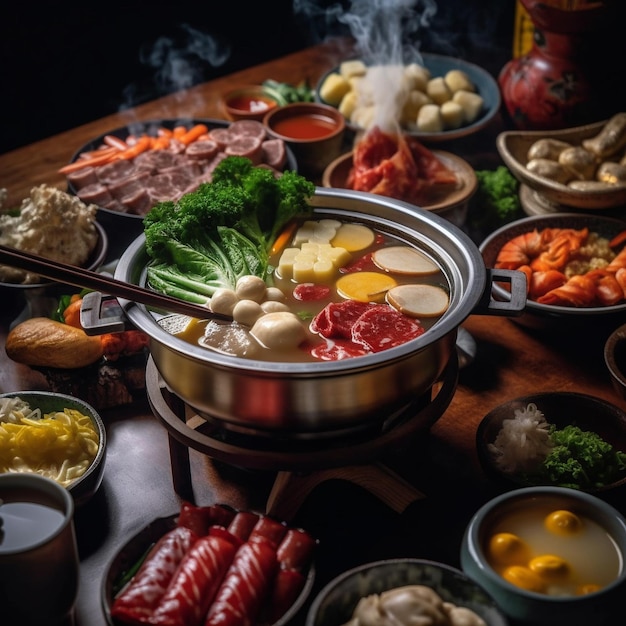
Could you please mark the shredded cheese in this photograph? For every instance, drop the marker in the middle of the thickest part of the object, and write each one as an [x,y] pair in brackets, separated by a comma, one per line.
[60,445]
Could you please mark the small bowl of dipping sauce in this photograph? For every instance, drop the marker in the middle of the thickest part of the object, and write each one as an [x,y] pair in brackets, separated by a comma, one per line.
[250,102]
[312,130]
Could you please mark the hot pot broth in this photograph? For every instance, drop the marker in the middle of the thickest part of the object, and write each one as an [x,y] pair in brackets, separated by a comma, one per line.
[307,308]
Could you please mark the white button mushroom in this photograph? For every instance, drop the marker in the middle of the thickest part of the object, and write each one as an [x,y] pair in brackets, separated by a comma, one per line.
[275,294]
[280,330]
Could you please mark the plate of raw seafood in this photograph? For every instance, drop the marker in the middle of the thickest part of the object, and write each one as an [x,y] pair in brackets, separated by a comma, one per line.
[575,265]
[582,167]
[442,98]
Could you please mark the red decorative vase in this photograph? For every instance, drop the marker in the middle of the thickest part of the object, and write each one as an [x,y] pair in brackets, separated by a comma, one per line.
[549,87]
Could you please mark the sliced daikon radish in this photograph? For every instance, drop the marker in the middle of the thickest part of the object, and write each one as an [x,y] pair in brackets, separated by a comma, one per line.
[404,260]
[419,300]
[353,237]
[365,286]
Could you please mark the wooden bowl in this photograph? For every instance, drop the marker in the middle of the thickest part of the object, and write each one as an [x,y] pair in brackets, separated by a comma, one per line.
[249,102]
[513,148]
[450,202]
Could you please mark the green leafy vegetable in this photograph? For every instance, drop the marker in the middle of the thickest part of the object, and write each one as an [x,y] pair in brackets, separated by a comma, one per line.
[496,200]
[290,93]
[581,460]
[225,229]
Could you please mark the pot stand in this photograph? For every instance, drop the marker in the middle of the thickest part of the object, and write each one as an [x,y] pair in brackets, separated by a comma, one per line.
[305,461]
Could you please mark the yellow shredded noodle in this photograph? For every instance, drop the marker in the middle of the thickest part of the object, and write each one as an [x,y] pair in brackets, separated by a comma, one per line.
[60,445]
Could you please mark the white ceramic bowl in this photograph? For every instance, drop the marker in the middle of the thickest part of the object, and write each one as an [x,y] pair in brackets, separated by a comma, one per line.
[537,609]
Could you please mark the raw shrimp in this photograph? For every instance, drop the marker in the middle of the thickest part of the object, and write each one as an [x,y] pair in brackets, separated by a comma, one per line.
[565,266]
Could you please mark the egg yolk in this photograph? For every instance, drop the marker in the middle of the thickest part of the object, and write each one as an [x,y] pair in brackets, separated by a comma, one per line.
[524,578]
[563,522]
[549,566]
[583,590]
[508,549]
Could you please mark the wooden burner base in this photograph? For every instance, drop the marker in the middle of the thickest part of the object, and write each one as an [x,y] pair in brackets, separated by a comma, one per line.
[300,465]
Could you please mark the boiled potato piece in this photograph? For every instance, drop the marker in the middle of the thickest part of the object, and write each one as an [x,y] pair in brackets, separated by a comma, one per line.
[404,260]
[419,300]
[351,68]
[414,102]
[348,104]
[334,88]
[471,102]
[429,119]
[438,90]
[549,169]
[457,80]
[416,76]
[363,116]
[452,114]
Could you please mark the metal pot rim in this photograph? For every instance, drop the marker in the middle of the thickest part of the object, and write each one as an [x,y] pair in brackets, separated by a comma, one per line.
[459,256]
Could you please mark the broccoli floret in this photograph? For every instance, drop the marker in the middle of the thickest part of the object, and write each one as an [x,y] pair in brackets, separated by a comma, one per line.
[496,200]
[224,229]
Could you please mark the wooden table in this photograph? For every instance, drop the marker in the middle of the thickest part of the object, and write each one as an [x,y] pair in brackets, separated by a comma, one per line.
[353,524]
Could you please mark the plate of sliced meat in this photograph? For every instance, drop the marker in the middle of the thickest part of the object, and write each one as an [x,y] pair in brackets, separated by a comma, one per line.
[128,170]
[207,564]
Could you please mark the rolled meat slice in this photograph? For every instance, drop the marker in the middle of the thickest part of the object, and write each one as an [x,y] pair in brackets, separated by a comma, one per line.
[242,524]
[201,518]
[270,529]
[195,583]
[246,584]
[136,603]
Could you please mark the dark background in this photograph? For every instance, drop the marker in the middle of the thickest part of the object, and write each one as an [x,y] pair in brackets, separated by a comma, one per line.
[62,66]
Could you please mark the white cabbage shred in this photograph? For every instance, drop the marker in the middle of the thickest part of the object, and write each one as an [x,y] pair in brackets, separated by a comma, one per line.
[523,441]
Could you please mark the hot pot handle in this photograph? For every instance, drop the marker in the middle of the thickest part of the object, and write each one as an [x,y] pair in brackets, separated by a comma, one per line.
[514,305]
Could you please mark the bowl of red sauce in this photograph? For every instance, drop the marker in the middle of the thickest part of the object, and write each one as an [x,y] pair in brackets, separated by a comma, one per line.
[249,102]
[313,131]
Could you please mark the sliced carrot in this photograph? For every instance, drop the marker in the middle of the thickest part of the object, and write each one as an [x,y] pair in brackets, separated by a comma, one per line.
[143,144]
[91,162]
[404,260]
[159,143]
[193,133]
[419,300]
[178,132]
[365,286]
[619,239]
[284,238]
[164,132]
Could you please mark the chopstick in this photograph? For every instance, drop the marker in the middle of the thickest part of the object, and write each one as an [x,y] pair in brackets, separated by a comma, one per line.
[88,279]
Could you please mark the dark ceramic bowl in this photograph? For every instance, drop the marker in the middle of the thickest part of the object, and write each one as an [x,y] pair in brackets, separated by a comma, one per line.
[135,549]
[561,409]
[558,318]
[335,603]
[615,359]
[529,608]
[84,487]
[122,227]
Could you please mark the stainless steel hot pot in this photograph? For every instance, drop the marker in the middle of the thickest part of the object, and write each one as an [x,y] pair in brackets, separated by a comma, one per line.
[329,396]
